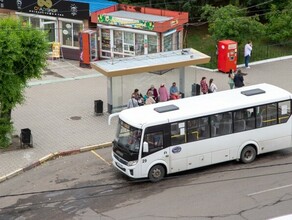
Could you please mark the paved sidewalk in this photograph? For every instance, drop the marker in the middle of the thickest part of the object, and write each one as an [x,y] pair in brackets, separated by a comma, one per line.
[59,107]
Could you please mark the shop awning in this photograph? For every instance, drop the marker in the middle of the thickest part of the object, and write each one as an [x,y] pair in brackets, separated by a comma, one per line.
[95,5]
[150,63]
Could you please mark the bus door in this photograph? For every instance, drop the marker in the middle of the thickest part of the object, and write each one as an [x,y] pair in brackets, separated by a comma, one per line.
[158,151]
[178,149]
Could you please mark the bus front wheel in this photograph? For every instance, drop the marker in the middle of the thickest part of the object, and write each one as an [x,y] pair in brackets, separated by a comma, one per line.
[248,154]
[156,173]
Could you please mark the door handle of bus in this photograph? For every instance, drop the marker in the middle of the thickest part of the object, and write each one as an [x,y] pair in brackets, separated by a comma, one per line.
[166,154]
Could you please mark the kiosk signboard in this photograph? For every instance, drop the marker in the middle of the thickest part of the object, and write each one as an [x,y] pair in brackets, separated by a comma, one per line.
[55,8]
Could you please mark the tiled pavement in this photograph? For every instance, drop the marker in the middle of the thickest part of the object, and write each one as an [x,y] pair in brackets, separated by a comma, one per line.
[59,108]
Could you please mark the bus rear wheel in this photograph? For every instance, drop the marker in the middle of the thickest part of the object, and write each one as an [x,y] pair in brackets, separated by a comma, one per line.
[248,154]
[156,173]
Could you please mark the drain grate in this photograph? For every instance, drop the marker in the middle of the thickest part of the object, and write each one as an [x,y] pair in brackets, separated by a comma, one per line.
[75,118]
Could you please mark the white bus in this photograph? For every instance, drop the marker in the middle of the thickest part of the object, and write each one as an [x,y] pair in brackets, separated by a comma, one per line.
[155,140]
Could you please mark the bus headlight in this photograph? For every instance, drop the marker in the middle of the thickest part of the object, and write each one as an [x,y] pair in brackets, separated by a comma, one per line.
[132,163]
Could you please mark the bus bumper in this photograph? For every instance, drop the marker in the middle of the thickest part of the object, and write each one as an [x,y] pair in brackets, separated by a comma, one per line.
[129,171]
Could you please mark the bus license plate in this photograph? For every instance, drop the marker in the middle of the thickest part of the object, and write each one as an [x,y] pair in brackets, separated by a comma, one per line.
[119,165]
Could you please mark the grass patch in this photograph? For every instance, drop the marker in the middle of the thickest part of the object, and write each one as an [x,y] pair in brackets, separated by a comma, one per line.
[199,39]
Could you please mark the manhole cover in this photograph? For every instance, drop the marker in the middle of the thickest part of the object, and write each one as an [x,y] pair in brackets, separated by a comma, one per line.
[75,118]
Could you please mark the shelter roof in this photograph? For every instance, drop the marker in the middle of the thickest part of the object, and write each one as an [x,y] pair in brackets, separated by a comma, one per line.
[150,62]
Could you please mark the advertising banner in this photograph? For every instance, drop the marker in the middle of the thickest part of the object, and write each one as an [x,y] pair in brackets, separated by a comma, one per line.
[55,8]
[56,47]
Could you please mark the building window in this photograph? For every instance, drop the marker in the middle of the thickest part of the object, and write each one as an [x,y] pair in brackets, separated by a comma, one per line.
[105,40]
[152,44]
[118,41]
[35,22]
[139,44]
[70,32]
[129,43]
[24,20]
[168,43]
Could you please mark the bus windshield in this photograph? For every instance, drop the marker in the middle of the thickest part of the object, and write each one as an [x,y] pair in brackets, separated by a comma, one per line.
[128,137]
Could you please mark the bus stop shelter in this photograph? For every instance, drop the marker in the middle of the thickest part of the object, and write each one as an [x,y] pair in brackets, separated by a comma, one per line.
[115,68]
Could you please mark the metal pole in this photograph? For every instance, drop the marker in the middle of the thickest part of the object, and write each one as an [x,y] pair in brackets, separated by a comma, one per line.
[109,95]
[182,80]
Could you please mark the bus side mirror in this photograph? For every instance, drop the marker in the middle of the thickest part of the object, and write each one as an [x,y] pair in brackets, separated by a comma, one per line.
[145,147]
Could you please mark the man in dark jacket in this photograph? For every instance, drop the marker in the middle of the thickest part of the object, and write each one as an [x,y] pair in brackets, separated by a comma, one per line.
[238,79]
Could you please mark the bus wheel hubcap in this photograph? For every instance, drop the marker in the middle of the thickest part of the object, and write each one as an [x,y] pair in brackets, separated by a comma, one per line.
[156,173]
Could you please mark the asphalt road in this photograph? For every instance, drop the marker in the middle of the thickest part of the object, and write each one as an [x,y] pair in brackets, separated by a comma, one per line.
[86,186]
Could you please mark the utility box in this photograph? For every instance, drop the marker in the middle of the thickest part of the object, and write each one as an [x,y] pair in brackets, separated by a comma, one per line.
[227,56]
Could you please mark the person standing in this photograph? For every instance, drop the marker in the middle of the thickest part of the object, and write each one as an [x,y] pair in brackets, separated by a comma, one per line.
[163,93]
[204,85]
[238,79]
[247,53]
[212,86]
[231,79]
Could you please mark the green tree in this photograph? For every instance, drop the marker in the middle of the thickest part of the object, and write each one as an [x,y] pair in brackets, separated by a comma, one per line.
[23,52]
[231,22]
[279,26]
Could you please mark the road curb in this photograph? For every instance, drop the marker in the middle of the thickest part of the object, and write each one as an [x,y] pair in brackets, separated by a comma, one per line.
[53,156]
[10,175]
[95,147]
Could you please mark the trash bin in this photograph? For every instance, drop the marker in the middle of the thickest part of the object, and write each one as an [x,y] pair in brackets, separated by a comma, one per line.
[98,107]
[195,89]
[26,137]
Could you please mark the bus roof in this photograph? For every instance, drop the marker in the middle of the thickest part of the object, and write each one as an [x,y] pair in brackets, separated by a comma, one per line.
[196,106]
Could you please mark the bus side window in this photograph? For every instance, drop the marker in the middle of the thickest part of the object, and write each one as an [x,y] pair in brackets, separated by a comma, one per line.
[239,121]
[225,125]
[215,122]
[284,111]
[193,130]
[154,140]
[269,114]
[198,129]
[178,134]
[272,114]
[250,118]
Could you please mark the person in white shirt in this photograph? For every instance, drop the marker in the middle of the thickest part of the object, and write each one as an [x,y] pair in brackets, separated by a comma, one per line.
[247,53]
[212,87]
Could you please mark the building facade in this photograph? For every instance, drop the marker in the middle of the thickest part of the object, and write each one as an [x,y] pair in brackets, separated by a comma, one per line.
[63,20]
[126,30]
[121,30]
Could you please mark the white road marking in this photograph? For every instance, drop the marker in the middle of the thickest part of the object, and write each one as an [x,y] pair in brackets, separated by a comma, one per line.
[100,157]
[268,190]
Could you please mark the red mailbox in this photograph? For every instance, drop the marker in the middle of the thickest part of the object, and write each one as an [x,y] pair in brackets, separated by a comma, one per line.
[227,56]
